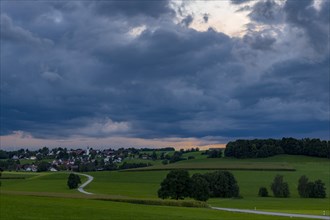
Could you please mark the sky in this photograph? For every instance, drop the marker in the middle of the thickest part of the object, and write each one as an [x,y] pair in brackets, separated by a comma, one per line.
[162,73]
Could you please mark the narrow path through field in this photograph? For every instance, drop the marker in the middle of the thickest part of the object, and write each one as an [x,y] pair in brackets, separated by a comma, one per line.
[273,213]
[81,188]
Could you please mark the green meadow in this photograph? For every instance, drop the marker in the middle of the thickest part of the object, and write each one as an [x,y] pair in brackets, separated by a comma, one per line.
[143,184]
[31,207]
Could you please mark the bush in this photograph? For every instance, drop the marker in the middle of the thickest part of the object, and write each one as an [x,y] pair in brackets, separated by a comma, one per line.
[176,185]
[263,192]
[222,184]
[216,153]
[191,157]
[280,188]
[200,187]
[308,189]
[73,181]
[43,166]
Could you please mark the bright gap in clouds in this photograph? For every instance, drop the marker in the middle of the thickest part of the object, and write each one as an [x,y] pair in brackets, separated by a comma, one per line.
[222,16]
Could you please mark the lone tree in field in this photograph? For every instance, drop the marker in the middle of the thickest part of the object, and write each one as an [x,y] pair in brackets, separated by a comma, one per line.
[200,187]
[263,192]
[73,181]
[176,185]
[280,188]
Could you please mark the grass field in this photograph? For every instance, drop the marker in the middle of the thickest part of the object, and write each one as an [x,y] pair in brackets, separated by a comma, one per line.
[37,182]
[144,184]
[31,207]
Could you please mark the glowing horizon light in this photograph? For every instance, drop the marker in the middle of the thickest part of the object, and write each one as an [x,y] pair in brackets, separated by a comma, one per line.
[222,16]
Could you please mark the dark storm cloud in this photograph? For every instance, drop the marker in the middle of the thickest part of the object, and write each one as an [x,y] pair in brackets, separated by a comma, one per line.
[268,12]
[133,8]
[314,22]
[238,2]
[187,20]
[260,42]
[89,69]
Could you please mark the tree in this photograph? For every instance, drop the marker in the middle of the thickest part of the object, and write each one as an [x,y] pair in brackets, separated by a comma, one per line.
[176,185]
[73,181]
[316,189]
[214,153]
[280,188]
[263,192]
[302,187]
[43,166]
[319,189]
[222,184]
[154,155]
[200,188]
[308,189]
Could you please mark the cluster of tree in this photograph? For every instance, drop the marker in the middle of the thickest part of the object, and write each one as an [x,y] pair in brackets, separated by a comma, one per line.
[43,166]
[9,164]
[177,156]
[158,149]
[269,147]
[307,189]
[133,165]
[73,181]
[213,153]
[178,184]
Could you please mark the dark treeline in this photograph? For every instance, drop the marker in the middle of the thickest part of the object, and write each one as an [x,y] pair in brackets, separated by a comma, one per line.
[270,147]
[158,149]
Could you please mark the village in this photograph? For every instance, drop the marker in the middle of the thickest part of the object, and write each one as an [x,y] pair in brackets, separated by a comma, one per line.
[85,160]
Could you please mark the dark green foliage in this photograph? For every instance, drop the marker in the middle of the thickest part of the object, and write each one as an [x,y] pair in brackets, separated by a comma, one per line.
[216,153]
[222,184]
[73,181]
[319,190]
[9,164]
[154,156]
[176,185]
[3,154]
[200,187]
[164,162]
[133,165]
[270,147]
[263,192]
[308,189]
[86,167]
[302,187]
[177,156]
[43,166]
[280,188]
[191,157]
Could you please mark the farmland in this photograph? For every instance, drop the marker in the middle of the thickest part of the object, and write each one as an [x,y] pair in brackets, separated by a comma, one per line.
[143,184]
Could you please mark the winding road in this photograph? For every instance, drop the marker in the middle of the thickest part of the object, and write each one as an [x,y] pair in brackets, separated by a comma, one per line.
[81,188]
[90,179]
[273,213]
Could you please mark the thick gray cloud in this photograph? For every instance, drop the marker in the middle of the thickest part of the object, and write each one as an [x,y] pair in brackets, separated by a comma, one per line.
[315,23]
[133,8]
[268,12]
[238,2]
[90,69]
